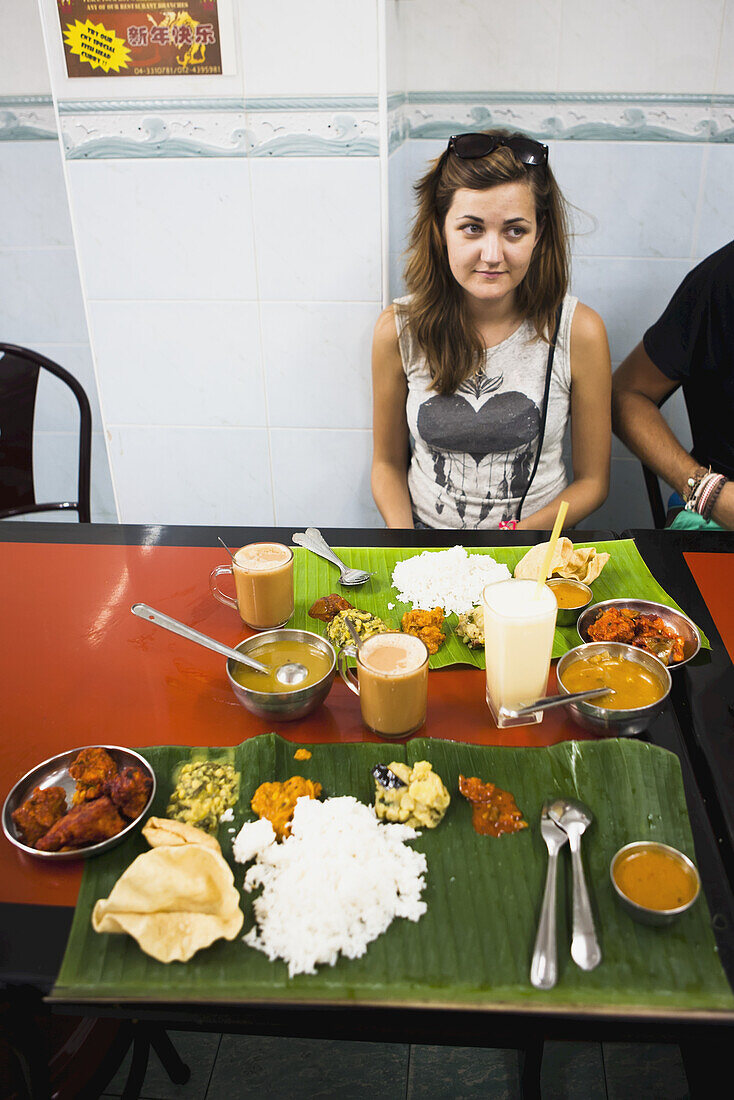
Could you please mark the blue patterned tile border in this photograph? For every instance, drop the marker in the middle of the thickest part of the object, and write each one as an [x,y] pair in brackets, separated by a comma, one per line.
[349,126]
[569,116]
[282,127]
[27,118]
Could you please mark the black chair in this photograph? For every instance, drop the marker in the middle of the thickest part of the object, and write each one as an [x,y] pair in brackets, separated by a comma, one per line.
[19,373]
[654,496]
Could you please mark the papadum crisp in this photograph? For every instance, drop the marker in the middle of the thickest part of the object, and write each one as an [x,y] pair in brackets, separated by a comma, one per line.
[584,564]
[174,901]
[162,832]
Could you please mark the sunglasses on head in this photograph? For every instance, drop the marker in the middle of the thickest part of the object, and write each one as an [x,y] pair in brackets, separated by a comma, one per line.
[472,146]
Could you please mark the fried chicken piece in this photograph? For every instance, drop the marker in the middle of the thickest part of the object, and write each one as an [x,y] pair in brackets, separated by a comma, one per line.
[87,823]
[129,790]
[655,636]
[328,606]
[425,625]
[647,632]
[92,769]
[39,812]
[614,625]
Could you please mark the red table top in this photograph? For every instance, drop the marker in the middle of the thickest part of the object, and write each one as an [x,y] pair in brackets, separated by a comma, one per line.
[714,575]
[79,669]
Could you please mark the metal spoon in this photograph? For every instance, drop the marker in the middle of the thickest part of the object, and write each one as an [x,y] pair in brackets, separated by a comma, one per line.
[313,540]
[224,544]
[290,673]
[574,818]
[353,631]
[549,701]
[544,965]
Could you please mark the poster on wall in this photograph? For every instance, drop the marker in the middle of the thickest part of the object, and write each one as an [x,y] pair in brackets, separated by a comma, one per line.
[141,37]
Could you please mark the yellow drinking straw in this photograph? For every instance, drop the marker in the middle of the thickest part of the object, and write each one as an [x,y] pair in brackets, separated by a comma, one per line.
[551,547]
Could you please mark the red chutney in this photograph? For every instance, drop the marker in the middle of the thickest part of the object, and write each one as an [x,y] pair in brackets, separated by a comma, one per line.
[494,811]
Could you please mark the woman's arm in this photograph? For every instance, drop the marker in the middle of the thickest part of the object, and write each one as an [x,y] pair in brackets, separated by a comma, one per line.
[591,430]
[390,446]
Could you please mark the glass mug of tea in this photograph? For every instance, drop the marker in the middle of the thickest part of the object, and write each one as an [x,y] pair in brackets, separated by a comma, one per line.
[392,682]
[263,579]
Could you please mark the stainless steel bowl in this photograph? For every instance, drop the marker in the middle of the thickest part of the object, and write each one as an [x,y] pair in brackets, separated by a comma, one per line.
[54,772]
[567,616]
[617,723]
[284,706]
[640,912]
[680,623]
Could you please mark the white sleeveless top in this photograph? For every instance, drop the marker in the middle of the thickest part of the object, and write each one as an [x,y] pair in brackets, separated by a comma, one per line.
[473,451]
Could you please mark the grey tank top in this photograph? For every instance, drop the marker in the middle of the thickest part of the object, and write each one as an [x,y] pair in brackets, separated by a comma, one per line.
[473,451]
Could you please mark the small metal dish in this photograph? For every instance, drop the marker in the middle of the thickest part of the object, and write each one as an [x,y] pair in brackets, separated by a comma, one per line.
[640,912]
[679,622]
[54,772]
[604,720]
[284,706]
[567,616]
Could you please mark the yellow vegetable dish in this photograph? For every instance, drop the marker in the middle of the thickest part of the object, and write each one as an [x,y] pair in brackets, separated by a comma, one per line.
[421,803]
[202,794]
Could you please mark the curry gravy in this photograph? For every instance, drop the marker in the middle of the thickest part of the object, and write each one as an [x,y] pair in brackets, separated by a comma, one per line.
[634,686]
[655,879]
[277,653]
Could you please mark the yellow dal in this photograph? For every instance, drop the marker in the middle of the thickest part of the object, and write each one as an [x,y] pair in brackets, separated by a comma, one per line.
[633,685]
[568,595]
[277,653]
[655,879]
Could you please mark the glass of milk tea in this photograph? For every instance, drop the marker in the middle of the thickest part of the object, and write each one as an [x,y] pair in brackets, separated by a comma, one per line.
[392,683]
[519,621]
[263,579]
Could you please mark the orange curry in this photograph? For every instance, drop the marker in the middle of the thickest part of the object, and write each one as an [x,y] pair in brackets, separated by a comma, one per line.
[277,801]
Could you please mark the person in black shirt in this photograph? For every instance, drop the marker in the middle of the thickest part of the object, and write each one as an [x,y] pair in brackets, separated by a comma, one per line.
[691,345]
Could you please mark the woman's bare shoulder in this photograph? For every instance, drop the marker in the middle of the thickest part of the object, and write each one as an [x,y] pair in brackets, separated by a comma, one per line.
[587,327]
[385,340]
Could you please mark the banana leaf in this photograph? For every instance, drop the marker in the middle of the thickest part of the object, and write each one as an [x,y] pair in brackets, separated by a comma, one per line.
[625,574]
[473,946]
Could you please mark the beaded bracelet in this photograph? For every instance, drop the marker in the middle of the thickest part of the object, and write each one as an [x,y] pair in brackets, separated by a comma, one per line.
[706,506]
[693,484]
[704,492]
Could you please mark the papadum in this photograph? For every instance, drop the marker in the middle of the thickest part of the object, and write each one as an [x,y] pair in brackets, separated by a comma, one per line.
[584,564]
[174,900]
[165,832]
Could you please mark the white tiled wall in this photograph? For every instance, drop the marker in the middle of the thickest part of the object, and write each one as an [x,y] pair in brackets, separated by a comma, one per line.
[231,298]
[41,302]
[567,45]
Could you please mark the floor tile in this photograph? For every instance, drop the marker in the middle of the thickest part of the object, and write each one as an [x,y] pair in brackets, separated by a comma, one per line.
[644,1069]
[572,1071]
[197,1050]
[445,1073]
[250,1066]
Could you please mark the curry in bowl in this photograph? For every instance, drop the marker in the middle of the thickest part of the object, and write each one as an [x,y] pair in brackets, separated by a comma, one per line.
[633,684]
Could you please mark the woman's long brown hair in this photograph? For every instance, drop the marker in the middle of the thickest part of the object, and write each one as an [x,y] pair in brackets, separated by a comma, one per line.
[437,314]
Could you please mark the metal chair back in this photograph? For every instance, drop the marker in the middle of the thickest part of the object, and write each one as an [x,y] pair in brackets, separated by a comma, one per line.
[20,369]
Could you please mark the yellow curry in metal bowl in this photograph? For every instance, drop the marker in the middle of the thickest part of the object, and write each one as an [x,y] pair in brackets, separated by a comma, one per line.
[633,685]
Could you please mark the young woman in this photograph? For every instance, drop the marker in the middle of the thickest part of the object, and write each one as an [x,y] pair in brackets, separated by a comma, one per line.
[477,370]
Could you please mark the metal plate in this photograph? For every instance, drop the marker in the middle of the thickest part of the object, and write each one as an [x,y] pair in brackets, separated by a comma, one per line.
[679,622]
[54,772]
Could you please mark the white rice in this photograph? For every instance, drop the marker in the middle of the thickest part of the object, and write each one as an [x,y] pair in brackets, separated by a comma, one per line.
[254,837]
[334,885]
[451,579]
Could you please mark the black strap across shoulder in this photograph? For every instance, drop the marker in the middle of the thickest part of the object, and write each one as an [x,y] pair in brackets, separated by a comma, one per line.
[544,415]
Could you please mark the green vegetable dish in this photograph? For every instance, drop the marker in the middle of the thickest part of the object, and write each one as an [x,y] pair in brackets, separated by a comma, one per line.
[204,792]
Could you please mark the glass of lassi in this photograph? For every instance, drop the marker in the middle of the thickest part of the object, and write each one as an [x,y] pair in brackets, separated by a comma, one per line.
[519,621]
[263,579]
[392,683]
